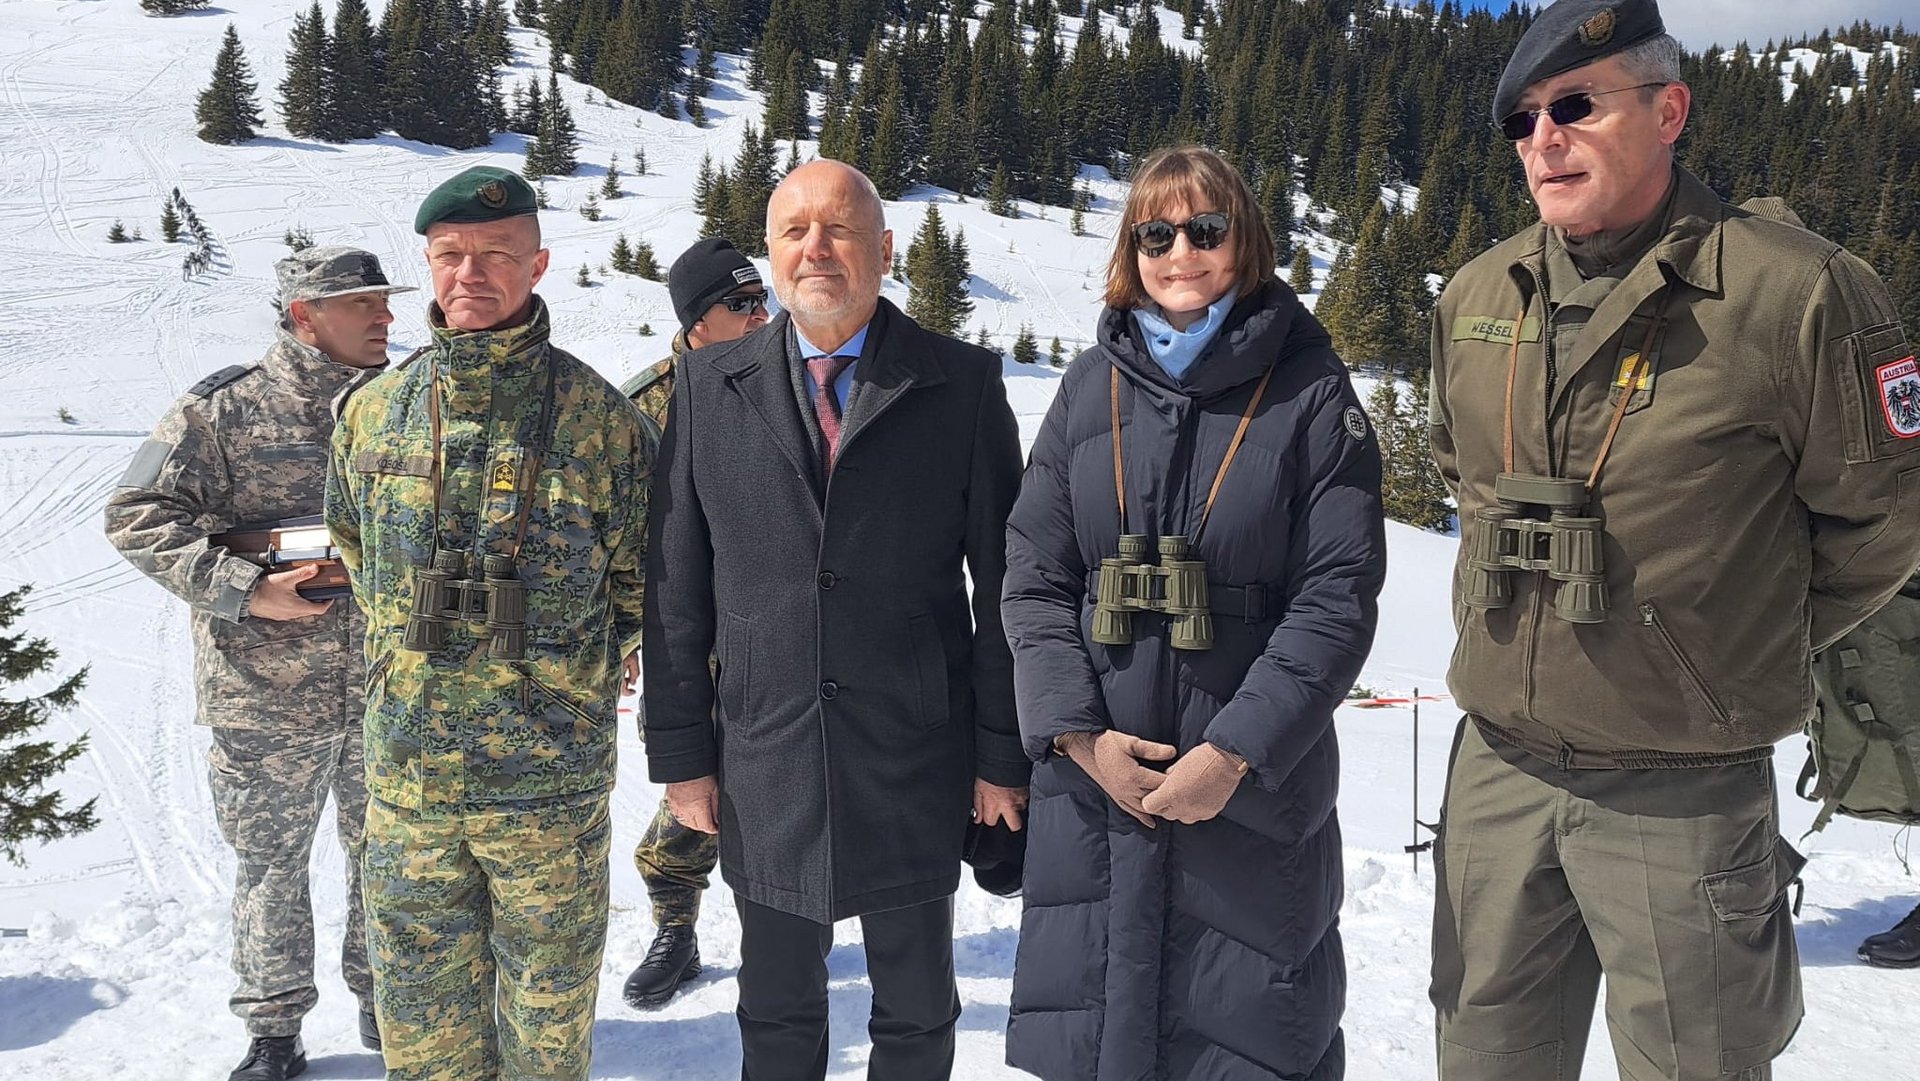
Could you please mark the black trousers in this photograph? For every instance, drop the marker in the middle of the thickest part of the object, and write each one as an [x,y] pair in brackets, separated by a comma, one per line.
[783,993]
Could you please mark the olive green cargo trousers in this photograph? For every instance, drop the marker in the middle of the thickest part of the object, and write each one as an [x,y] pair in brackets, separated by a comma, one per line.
[1670,884]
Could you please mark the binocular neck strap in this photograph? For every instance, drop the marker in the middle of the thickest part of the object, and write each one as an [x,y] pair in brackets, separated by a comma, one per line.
[1641,362]
[1233,446]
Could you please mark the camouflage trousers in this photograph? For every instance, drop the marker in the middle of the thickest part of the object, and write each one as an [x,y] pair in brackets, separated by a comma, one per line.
[487,926]
[269,792]
[674,862]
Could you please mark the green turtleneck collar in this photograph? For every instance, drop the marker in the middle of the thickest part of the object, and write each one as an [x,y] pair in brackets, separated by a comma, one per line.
[1613,252]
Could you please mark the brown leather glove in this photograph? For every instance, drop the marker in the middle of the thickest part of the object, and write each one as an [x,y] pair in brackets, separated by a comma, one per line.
[1112,759]
[1197,786]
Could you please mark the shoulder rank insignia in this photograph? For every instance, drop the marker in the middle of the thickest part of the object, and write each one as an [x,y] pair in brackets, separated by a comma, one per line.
[229,374]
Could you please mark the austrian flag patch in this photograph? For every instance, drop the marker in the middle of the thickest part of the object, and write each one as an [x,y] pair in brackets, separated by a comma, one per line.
[1900,396]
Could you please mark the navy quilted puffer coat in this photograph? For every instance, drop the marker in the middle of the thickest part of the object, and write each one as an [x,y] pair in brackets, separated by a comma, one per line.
[1206,951]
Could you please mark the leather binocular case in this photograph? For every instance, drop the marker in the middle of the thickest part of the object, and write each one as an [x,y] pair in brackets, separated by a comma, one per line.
[289,544]
[1537,524]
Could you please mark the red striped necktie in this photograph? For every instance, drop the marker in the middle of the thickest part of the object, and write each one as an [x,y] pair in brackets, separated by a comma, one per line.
[826,403]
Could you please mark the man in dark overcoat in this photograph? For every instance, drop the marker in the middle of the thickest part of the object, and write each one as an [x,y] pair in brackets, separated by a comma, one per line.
[826,486]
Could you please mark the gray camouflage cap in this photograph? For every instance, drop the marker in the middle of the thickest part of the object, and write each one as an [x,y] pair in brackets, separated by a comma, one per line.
[318,273]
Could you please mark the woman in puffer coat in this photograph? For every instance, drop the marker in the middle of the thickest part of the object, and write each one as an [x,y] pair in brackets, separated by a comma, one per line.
[1183,878]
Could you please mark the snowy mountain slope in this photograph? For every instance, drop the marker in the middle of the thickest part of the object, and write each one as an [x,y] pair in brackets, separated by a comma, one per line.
[122,973]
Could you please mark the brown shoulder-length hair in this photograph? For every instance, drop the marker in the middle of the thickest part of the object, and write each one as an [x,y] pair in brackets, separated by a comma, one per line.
[1198,178]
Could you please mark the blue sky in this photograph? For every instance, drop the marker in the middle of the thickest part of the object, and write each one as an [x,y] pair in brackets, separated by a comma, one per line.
[1700,23]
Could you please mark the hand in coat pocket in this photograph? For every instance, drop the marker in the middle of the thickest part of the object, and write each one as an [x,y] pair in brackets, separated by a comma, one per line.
[1197,786]
[1113,759]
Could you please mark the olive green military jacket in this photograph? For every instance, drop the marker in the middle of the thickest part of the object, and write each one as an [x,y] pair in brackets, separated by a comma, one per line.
[1761,498]
[457,726]
[247,445]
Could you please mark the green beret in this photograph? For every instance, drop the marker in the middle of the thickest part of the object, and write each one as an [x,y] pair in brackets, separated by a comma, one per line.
[482,193]
[1570,34]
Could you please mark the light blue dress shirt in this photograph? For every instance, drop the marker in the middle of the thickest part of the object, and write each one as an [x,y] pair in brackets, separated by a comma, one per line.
[843,384]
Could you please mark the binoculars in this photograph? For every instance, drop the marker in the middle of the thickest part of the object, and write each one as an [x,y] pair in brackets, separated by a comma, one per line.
[1511,536]
[1176,586]
[444,592]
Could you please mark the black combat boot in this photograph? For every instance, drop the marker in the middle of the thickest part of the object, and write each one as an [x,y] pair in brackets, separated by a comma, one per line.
[673,960]
[369,1029]
[271,1058]
[1898,948]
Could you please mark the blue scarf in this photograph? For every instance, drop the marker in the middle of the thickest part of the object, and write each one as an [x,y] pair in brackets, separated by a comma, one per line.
[1176,350]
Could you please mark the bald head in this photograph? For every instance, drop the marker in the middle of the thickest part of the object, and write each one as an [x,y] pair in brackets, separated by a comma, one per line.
[828,241]
[825,177]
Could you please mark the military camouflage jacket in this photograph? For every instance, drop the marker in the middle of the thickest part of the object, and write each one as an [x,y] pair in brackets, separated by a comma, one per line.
[1761,497]
[652,388]
[246,445]
[456,726]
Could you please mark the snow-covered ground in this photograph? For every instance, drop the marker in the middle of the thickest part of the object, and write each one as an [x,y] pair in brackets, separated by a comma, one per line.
[121,972]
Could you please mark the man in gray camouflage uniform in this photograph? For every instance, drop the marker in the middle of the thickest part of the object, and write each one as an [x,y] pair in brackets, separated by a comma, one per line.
[280,677]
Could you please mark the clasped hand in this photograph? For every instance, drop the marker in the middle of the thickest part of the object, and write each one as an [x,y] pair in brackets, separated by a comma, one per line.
[1193,789]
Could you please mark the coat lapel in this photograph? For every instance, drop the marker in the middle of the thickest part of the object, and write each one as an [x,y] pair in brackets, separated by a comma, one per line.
[897,358]
[757,372]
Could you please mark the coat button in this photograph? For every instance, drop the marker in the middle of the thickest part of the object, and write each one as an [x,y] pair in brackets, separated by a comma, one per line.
[829,690]
[827,579]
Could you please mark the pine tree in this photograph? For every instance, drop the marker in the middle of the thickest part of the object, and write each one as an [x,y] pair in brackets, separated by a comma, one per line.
[303,92]
[1026,349]
[610,184]
[621,258]
[1056,354]
[645,263]
[1077,223]
[937,273]
[1302,277]
[584,278]
[590,209]
[227,112]
[169,221]
[355,104]
[555,146]
[1000,194]
[172,7]
[117,232]
[26,812]
[749,187]
[639,161]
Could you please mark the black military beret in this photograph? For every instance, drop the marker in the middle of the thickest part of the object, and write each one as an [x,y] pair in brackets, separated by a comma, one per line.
[1569,34]
[482,193]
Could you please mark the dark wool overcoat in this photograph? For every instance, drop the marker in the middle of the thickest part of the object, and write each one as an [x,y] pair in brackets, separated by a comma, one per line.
[1206,951]
[858,691]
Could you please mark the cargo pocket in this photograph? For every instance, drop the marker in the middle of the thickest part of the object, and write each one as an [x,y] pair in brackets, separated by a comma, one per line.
[930,665]
[1755,959]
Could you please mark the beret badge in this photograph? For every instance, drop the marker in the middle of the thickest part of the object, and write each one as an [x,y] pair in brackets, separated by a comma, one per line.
[493,193]
[1598,30]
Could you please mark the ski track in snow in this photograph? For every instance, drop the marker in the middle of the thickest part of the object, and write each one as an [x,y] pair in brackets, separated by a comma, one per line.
[122,972]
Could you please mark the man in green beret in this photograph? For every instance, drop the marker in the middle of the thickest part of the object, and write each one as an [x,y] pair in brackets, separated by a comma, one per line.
[489,497]
[1679,406]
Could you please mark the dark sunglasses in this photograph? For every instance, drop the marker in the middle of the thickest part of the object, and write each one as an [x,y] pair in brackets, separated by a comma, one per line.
[745,302]
[1204,231]
[1568,110]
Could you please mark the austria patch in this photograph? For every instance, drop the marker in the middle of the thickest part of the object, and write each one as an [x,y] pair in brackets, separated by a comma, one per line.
[1900,396]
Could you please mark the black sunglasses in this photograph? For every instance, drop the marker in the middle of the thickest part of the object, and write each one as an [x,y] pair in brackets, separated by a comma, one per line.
[744,302]
[1204,231]
[1568,110]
